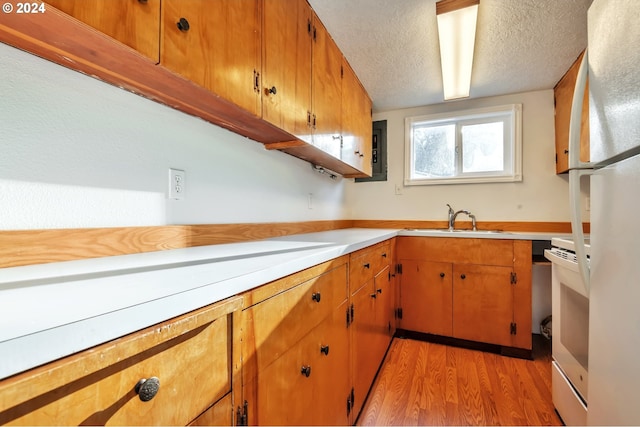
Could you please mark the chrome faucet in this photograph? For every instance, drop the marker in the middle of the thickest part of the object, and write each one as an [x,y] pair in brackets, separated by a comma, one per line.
[453,215]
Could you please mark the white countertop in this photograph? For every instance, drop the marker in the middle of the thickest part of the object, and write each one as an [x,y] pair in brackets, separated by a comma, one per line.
[53,310]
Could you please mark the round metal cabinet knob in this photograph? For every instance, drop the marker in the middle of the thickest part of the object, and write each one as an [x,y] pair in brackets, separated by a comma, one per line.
[441,274]
[183,24]
[463,276]
[316,296]
[148,388]
[324,349]
[273,90]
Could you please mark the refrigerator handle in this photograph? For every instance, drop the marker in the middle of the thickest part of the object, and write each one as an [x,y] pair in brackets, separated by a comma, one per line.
[575,123]
[576,222]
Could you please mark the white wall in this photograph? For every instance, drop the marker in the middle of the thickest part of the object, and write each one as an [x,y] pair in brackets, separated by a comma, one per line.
[541,196]
[76,152]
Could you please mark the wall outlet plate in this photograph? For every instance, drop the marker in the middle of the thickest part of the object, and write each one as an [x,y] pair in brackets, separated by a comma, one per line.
[177,184]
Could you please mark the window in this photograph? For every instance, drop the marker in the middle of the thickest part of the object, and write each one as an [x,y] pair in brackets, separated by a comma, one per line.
[483,145]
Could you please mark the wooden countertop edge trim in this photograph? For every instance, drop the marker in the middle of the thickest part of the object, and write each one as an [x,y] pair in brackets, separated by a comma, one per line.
[28,247]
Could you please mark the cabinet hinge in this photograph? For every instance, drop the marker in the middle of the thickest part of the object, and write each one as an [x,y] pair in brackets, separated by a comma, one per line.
[399,313]
[241,415]
[514,278]
[556,157]
[513,328]
[309,26]
[350,311]
[350,402]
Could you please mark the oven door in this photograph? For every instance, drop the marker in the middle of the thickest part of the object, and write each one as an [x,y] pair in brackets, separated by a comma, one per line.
[570,336]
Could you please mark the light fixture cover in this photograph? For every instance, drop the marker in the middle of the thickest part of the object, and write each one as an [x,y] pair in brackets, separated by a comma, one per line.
[457,34]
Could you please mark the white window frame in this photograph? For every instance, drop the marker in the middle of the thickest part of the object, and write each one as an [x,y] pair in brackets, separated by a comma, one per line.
[512,144]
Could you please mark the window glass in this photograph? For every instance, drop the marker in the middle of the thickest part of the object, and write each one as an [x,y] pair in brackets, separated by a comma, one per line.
[482,145]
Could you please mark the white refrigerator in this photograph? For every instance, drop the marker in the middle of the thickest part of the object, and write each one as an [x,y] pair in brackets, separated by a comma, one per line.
[613,277]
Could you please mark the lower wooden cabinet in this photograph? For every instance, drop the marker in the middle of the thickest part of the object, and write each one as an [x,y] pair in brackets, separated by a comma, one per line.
[427,296]
[168,374]
[372,317]
[472,289]
[295,348]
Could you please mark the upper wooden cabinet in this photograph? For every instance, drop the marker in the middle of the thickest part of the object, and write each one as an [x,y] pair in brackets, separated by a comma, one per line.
[357,126]
[563,97]
[134,23]
[215,44]
[265,69]
[286,67]
[326,98]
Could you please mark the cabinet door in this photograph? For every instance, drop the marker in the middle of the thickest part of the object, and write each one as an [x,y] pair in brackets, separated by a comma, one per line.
[363,339]
[357,127]
[286,67]
[563,97]
[426,297]
[134,23]
[326,91]
[216,44]
[308,385]
[331,341]
[384,311]
[482,303]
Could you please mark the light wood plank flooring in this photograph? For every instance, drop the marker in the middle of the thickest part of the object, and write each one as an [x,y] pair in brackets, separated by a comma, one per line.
[423,383]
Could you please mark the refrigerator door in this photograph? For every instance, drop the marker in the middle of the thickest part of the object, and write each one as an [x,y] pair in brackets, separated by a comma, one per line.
[614,79]
[614,308]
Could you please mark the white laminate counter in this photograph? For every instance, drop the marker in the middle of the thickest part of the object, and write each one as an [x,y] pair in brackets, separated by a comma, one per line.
[53,310]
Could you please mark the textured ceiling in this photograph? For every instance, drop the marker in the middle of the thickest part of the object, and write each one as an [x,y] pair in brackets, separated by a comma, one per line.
[521,45]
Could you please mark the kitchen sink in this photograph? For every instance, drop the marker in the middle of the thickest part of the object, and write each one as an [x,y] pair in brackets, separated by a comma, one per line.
[446,231]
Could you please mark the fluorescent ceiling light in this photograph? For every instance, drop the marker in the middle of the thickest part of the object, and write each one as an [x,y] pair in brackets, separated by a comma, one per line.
[457,34]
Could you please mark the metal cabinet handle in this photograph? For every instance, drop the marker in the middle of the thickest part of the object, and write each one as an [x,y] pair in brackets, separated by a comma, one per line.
[374,295]
[379,290]
[441,274]
[147,388]
[462,276]
[316,296]
[183,25]
[367,265]
[384,255]
[324,349]
[305,370]
[273,90]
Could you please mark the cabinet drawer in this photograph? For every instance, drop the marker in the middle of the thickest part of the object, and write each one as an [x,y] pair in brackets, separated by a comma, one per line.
[366,263]
[276,324]
[457,250]
[190,357]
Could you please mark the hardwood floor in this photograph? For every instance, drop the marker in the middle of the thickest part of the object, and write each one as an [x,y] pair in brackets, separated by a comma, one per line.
[423,383]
